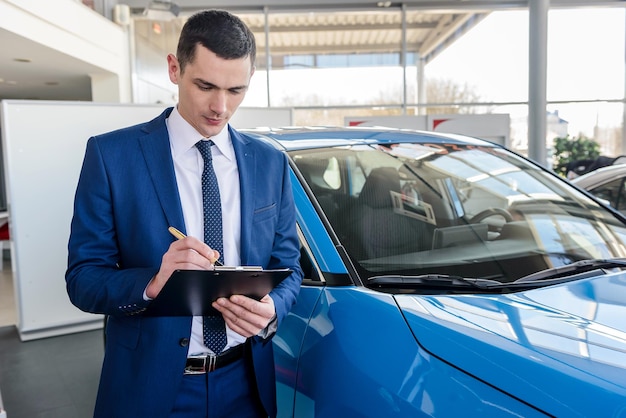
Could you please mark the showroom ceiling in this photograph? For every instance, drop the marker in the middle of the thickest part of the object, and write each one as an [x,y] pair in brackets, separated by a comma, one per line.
[306,27]
[345,32]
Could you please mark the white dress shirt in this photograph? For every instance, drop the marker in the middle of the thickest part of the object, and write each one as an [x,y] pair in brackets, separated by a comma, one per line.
[188,166]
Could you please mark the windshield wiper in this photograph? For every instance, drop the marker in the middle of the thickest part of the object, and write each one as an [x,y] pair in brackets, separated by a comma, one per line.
[446,281]
[577,270]
[576,267]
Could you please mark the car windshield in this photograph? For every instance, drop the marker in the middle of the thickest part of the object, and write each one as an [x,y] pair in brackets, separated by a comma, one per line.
[449,209]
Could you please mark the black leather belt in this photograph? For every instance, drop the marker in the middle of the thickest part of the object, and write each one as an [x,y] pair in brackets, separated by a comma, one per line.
[209,362]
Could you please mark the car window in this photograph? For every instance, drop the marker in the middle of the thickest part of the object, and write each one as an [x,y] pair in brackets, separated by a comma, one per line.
[614,192]
[473,211]
[309,267]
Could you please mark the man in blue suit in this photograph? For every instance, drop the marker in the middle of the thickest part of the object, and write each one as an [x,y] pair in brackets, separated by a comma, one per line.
[138,181]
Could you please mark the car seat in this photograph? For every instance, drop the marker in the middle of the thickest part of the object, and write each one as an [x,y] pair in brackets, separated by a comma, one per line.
[379,230]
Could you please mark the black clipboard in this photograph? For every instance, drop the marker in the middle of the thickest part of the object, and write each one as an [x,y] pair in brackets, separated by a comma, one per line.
[191,292]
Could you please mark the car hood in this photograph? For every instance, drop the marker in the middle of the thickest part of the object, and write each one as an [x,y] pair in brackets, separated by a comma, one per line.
[561,349]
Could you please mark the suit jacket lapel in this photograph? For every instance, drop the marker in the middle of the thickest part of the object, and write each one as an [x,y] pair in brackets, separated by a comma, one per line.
[156,150]
[246,164]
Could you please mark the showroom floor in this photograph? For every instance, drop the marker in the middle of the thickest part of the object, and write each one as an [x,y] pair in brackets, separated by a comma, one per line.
[53,377]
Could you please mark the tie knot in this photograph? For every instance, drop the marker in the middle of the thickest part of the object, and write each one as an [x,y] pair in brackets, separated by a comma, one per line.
[205,149]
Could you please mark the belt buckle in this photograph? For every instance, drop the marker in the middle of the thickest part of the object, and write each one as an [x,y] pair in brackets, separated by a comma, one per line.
[212,359]
[208,364]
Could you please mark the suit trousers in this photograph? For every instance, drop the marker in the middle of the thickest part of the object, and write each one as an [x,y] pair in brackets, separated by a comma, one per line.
[224,393]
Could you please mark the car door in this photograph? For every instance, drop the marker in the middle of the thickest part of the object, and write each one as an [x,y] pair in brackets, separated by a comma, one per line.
[319,260]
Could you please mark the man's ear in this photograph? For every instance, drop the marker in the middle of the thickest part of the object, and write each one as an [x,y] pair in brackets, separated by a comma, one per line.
[173,68]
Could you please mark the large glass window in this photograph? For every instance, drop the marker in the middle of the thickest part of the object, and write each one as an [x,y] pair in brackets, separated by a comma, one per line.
[331,65]
[585,78]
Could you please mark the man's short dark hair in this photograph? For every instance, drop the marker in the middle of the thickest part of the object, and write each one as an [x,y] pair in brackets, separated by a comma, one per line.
[223,33]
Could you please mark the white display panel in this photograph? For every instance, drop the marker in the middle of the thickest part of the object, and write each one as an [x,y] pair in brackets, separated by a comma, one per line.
[43,148]
[495,127]
[259,117]
[43,145]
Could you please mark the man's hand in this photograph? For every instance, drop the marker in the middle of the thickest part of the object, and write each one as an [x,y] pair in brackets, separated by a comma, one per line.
[188,253]
[244,315]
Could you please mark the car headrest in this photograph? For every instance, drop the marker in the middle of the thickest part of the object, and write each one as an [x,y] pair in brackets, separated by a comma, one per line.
[378,186]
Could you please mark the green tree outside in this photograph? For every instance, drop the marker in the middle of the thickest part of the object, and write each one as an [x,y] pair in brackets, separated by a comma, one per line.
[568,149]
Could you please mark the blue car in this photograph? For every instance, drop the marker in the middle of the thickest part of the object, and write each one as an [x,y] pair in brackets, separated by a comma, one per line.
[446,276]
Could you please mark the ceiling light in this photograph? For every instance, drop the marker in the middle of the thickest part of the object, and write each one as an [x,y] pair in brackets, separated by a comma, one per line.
[161,10]
[21,60]
[383,4]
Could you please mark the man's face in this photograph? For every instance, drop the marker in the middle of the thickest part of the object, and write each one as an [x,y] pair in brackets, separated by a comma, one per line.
[210,89]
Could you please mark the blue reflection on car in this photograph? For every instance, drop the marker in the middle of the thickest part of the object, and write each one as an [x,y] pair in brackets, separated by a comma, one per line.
[448,277]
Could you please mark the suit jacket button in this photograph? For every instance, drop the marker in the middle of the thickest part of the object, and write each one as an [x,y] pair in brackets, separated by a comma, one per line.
[184,342]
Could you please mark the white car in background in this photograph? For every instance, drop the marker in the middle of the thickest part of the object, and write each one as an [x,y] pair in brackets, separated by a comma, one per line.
[606,183]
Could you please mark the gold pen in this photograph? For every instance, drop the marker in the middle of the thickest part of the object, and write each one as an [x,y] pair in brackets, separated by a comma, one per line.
[179,235]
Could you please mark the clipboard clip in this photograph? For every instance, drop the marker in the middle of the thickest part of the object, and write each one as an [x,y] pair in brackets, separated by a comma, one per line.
[238,268]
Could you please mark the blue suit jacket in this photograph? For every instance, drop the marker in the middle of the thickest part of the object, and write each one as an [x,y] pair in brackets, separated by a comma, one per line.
[125,200]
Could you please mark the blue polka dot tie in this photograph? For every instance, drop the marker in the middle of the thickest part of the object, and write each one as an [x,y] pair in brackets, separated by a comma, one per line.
[213,327]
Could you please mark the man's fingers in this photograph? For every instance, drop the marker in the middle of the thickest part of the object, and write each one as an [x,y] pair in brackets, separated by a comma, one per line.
[237,321]
[245,314]
[263,308]
[195,251]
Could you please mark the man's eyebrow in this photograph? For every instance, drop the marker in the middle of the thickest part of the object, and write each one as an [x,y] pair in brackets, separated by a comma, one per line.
[204,82]
[209,84]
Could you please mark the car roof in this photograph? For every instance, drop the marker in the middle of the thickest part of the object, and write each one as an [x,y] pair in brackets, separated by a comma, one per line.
[297,138]
[600,176]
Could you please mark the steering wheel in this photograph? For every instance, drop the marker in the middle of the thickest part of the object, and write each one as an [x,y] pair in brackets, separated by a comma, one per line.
[482,215]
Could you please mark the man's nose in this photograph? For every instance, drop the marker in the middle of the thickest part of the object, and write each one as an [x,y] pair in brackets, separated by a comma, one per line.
[218,102]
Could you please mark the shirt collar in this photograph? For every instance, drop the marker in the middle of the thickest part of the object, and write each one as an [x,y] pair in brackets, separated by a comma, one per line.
[183,136]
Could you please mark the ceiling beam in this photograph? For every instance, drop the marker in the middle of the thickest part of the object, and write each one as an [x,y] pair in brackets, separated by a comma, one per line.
[448,26]
[343,27]
[341,49]
[190,6]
